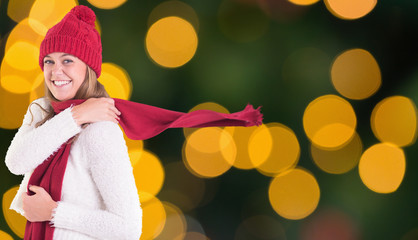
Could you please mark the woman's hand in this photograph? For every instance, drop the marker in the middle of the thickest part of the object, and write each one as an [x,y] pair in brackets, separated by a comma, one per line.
[95,110]
[38,207]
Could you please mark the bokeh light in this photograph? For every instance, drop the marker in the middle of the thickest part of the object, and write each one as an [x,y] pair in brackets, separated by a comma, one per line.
[18,10]
[171,42]
[329,121]
[195,236]
[294,194]
[330,224]
[261,227]
[382,167]
[250,156]
[209,152]
[174,8]
[283,148]
[116,81]
[15,221]
[12,108]
[153,217]
[175,224]
[46,13]
[350,9]
[205,106]
[340,160]
[394,119]
[355,74]
[181,187]
[242,22]
[303,2]
[14,56]
[149,175]
[5,236]
[260,145]
[106,4]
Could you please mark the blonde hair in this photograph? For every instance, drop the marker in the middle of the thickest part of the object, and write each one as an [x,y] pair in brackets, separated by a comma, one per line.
[90,88]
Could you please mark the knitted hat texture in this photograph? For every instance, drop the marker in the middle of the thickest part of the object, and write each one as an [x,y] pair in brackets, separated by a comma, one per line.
[75,34]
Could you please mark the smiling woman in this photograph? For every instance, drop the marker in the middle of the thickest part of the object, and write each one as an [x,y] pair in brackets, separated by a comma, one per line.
[64,74]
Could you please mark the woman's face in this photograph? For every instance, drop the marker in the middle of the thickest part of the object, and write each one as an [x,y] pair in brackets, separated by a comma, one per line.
[64,74]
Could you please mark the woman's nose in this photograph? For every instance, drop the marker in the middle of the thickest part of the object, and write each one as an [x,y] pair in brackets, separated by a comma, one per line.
[57,70]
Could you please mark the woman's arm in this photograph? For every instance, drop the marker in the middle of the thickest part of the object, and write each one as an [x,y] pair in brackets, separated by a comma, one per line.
[112,172]
[31,145]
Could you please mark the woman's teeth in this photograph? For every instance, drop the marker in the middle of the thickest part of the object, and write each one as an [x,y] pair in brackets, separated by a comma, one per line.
[61,83]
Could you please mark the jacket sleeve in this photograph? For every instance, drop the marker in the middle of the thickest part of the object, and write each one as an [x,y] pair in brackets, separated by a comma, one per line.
[31,146]
[112,173]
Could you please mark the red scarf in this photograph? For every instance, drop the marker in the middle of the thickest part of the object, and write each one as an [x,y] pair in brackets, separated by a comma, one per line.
[140,122]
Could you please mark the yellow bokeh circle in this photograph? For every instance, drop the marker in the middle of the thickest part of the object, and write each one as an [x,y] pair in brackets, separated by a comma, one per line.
[294,194]
[171,42]
[303,2]
[340,160]
[355,74]
[5,236]
[394,120]
[350,9]
[382,167]
[284,150]
[15,221]
[175,225]
[329,122]
[116,81]
[106,4]
[209,152]
[153,217]
[245,152]
[149,174]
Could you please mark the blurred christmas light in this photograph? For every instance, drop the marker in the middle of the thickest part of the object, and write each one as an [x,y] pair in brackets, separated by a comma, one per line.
[23,56]
[181,187]
[116,81]
[260,145]
[260,227]
[241,136]
[175,225]
[341,160]
[329,121]
[294,194]
[15,221]
[394,119]
[23,32]
[106,4]
[382,167]
[195,236]
[171,42]
[205,106]
[5,236]
[46,13]
[330,224]
[350,9]
[18,10]
[209,152]
[242,22]
[174,8]
[303,2]
[149,175]
[12,108]
[284,150]
[153,217]
[355,74]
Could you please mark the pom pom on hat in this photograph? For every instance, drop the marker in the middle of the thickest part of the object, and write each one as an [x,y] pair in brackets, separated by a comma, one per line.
[75,34]
[85,14]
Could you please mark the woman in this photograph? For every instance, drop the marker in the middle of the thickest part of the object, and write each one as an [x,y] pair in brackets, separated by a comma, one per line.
[98,197]
[78,181]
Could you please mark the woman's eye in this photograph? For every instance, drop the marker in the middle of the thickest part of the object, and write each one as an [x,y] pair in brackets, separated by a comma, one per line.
[68,61]
[47,62]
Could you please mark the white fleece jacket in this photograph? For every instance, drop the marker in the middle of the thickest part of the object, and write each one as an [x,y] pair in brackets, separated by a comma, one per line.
[99,197]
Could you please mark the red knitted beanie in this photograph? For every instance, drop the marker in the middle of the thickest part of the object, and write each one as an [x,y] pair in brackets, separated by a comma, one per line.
[75,34]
